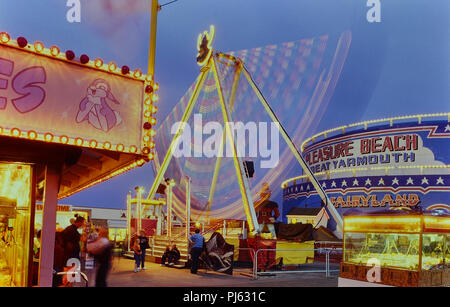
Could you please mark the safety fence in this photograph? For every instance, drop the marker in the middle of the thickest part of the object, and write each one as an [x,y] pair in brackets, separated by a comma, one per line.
[326,269]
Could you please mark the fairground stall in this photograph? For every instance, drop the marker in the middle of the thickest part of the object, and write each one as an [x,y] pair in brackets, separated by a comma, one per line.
[67,122]
[397,248]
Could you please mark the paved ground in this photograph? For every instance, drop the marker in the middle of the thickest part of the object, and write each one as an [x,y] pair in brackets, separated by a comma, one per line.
[156,276]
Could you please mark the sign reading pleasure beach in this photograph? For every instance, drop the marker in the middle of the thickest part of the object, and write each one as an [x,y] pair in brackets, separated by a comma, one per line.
[402,145]
[45,97]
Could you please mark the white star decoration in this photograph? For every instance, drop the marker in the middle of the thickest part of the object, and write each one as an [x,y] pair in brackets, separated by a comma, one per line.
[447,128]
[308,187]
[409,181]
[368,181]
[395,181]
[355,182]
[301,188]
[381,182]
[324,185]
[333,184]
[440,181]
[344,183]
[425,180]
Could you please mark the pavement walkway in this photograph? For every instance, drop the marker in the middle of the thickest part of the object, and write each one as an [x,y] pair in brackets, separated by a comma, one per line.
[122,275]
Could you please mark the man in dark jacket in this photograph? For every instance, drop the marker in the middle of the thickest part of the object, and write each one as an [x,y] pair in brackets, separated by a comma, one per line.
[143,243]
[71,239]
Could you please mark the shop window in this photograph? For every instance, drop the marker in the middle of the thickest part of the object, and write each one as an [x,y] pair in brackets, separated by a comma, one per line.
[15,212]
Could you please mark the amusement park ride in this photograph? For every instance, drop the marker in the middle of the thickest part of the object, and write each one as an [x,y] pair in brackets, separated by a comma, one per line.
[208,60]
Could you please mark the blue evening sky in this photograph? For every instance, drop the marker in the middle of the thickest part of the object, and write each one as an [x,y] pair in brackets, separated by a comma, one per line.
[396,67]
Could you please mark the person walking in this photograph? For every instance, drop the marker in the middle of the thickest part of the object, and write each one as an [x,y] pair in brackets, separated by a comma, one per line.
[143,243]
[198,242]
[101,248]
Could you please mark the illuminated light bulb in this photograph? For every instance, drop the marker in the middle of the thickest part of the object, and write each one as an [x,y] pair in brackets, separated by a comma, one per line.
[93,143]
[79,141]
[133,149]
[152,132]
[148,114]
[149,89]
[4,37]
[149,78]
[48,137]
[120,147]
[137,73]
[154,109]
[112,66]
[155,98]
[38,46]
[125,70]
[146,150]
[32,135]
[70,55]
[156,86]
[15,132]
[150,156]
[148,101]
[152,144]
[107,145]
[84,59]
[152,121]
[146,138]
[141,162]
[63,139]
[98,63]
[54,51]
[1,130]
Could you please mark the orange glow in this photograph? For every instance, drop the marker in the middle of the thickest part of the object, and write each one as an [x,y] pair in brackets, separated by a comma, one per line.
[4,37]
[15,132]
[120,147]
[137,73]
[154,109]
[39,47]
[79,141]
[148,114]
[152,145]
[133,149]
[93,143]
[107,145]
[156,86]
[48,137]
[151,156]
[98,63]
[63,139]
[32,135]
[149,78]
[152,121]
[409,224]
[437,222]
[148,101]
[112,66]
[155,98]
[146,138]
[54,51]
[152,132]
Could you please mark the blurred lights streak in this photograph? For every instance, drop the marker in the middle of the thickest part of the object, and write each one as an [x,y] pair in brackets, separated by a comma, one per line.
[296,79]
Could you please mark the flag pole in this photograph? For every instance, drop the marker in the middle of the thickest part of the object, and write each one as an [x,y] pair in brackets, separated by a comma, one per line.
[152,50]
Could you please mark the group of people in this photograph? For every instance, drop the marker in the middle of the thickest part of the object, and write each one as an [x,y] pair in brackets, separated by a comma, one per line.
[69,244]
[171,254]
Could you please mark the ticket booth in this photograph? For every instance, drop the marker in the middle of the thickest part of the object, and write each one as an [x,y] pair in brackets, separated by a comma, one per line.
[67,122]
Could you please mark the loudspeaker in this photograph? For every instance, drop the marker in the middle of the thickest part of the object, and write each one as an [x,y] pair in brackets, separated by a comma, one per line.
[249,168]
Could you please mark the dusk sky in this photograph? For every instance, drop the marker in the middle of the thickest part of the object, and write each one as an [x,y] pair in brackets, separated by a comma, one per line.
[399,66]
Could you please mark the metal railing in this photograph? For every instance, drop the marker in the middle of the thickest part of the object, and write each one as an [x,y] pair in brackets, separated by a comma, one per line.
[327,270]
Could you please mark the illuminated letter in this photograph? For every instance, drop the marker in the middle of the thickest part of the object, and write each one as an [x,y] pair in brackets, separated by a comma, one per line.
[374,14]
[215,139]
[185,140]
[23,84]
[74,14]
[6,69]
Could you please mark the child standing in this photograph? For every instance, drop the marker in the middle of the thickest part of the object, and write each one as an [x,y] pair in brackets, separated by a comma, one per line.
[137,255]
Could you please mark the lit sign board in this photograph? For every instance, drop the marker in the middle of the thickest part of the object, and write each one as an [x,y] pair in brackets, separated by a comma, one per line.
[46,97]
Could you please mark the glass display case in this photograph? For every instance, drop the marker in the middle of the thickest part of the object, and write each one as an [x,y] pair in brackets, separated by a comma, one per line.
[398,242]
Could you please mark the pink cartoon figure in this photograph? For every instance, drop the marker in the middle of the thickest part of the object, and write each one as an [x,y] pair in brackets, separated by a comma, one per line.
[95,109]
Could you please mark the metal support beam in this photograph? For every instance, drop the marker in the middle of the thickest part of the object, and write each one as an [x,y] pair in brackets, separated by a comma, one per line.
[160,175]
[296,153]
[240,173]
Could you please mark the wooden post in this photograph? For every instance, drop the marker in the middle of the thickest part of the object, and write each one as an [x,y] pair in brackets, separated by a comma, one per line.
[52,176]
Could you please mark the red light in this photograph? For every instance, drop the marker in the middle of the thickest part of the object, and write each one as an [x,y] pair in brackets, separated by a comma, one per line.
[22,42]
[70,55]
[84,59]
